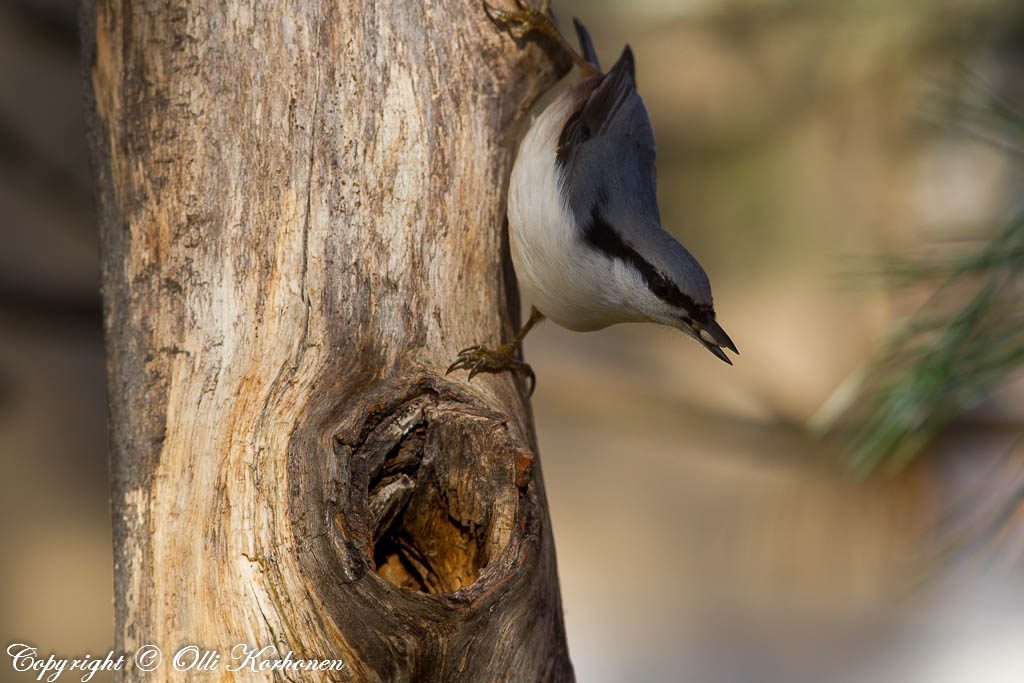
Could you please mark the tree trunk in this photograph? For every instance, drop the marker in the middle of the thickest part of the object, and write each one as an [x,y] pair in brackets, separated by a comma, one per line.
[300,213]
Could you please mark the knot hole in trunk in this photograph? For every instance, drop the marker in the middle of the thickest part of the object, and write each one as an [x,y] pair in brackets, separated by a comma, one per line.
[435,493]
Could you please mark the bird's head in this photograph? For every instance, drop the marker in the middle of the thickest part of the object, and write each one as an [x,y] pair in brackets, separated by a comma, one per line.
[672,289]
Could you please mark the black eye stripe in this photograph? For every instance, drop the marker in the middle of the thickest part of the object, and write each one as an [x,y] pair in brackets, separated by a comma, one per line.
[660,287]
[600,235]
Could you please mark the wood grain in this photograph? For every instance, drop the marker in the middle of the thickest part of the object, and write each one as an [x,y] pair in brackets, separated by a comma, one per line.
[300,210]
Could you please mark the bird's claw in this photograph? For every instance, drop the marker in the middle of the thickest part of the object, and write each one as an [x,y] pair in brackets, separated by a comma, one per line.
[479,358]
[524,19]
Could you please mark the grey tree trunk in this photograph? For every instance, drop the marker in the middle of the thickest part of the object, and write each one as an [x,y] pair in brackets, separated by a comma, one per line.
[301,213]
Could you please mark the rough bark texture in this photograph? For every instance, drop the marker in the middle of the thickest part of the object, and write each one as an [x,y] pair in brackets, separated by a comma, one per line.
[301,208]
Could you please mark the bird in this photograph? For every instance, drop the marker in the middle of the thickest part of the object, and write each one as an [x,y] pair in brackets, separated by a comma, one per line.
[585,232]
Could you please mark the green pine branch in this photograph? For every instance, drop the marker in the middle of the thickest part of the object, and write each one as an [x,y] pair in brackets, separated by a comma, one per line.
[961,344]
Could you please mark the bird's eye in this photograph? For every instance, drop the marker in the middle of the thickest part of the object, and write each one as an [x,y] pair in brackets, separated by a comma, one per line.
[661,287]
[584,133]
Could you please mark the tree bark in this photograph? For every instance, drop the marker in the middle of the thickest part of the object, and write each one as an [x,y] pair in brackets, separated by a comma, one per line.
[301,220]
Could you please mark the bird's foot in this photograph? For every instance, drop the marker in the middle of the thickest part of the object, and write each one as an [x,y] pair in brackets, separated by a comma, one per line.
[482,359]
[528,18]
[524,19]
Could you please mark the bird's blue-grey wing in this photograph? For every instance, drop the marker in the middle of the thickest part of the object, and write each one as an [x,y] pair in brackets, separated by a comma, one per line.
[606,158]
[606,151]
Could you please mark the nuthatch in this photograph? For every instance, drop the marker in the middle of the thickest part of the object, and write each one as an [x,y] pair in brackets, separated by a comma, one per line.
[584,227]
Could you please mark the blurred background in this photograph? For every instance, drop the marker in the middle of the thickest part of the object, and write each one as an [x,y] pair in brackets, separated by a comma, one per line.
[842,505]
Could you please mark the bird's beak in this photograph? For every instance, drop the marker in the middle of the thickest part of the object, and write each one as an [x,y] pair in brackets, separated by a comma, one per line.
[712,337]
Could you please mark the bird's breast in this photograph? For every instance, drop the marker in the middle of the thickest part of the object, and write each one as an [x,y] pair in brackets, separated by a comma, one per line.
[564,278]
